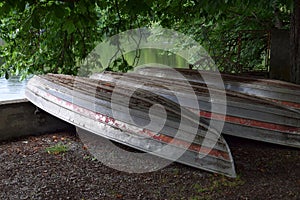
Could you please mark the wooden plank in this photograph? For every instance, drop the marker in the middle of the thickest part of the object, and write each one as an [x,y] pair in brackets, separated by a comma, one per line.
[279,91]
[236,105]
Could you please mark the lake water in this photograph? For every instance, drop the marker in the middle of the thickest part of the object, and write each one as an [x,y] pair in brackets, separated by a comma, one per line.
[12,89]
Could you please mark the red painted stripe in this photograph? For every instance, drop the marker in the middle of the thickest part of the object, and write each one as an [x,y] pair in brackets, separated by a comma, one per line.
[160,137]
[187,145]
[287,103]
[250,122]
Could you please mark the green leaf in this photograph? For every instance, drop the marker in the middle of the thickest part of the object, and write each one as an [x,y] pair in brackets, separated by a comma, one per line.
[59,11]
[69,27]
[35,19]
[21,6]
[82,7]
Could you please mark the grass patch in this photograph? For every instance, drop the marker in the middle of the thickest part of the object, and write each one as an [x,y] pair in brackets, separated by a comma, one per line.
[217,185]
[57,149]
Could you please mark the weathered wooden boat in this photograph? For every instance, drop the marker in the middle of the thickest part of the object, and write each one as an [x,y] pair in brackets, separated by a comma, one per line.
[87,104]
[246,117]
[284,93]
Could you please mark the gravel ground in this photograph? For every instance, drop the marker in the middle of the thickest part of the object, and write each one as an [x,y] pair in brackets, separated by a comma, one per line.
[29,169]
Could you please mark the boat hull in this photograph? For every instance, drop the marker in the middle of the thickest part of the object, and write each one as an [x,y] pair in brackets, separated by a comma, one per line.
[246,117]
[53,97]
[283,93]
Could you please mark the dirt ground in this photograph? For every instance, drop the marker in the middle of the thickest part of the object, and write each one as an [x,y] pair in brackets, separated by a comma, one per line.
[58,166]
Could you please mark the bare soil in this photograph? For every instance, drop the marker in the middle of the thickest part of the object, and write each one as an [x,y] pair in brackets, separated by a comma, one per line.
[28,171]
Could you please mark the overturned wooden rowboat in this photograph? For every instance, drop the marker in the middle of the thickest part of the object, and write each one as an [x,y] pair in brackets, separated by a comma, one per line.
[284,93]
[246,117]
[86,103]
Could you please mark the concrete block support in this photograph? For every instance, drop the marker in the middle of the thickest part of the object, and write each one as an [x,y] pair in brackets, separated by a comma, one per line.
[22,118]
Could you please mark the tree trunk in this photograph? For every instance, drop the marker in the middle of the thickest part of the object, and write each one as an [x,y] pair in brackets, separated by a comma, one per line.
[295,43]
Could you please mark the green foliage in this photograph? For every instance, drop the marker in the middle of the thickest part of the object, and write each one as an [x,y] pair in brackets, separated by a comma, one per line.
[53,36]
[236,34]
[47,36]
[119,65]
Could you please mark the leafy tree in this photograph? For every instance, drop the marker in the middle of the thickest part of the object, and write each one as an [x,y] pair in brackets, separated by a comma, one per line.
[227,29]
[46,36]
[52,36]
